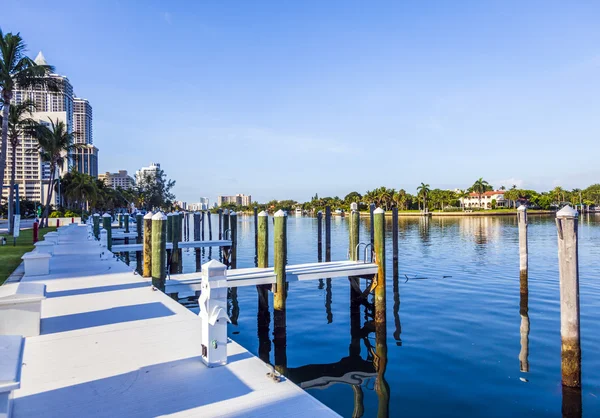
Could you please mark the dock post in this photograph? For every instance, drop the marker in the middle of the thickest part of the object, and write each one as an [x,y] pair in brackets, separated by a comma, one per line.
[568,265]
[371,210]
[255,210]
[107,225]
[523,253]
[263,239]
[233,227]
[327,233]
[159,250]
[379,238]
[96,220]
[197,226]
[126,222]
[139,225]
[175,239]
[120,218]
[279,297]
[319,236]
[201,225]
[209,216]
[147,248]
[395,239]
[220,212]
[263,316]
[169,226]
[354,239]
[225,222]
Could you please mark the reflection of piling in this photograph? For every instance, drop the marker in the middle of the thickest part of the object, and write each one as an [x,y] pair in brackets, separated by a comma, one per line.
[327,233]
[359,403]
[107,225]
[159,250]
[147,247]
[523,254]
[379,246]
[524,312]
[395,240]
[279,314]
[571,402]
[382,388]
[319,236]
[568,264]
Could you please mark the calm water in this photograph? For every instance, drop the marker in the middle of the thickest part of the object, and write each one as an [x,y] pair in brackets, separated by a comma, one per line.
[453,343]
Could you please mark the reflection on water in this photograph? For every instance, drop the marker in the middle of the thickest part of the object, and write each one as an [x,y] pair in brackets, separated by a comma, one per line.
[454,353]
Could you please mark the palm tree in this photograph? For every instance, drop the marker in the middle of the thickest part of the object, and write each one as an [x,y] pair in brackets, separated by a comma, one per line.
[16,69]
[480,187]
[55,145]
[462,195]
[81,189]
[423,189]
[19,123]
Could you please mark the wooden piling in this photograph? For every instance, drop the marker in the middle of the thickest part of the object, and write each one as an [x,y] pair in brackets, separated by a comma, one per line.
[225,223]
[96,220]
[147,248]
[395,238]
[107,225]
[120,217]
[319,236]
[197,226]
[209,216]
[220,213]
[279,297]
[139,226]
[523,252]
[371,226]
[169,226]
[353,241]
[233,227]
[159,250]
[255,211]
[263,239]
[126,222]
[379,247]
[568,264]
[175,239]
[207,213]
[327,233]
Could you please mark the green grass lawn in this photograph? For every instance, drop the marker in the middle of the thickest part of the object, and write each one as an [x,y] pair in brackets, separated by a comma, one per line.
[10,257]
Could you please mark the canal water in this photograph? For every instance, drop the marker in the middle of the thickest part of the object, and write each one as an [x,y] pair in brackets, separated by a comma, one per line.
[461,338]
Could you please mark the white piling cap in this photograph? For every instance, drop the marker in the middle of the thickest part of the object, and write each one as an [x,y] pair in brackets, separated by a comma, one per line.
[522,208]
[169,214]
[148,215]
[263,213]
[196,213]
[279,213]
[159,216]
[319,213]
[106,215]
[567,212]
[96,214]
[378,210]
[226,211]
[232,213]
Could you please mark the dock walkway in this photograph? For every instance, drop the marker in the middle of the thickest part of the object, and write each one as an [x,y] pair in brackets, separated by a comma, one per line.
[111,346]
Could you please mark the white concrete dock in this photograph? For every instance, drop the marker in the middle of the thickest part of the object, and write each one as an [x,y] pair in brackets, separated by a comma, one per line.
[111,346]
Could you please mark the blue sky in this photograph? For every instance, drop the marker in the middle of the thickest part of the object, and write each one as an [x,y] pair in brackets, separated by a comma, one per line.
[285,99]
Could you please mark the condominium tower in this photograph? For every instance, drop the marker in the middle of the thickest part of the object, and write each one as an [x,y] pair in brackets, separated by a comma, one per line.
[238,199]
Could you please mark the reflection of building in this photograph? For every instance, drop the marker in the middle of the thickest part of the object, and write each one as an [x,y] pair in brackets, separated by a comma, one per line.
[120,179]
[238,199]
[487,198]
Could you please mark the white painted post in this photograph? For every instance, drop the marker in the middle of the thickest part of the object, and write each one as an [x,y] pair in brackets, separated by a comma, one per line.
[213,312]
[523,252]
[568,265]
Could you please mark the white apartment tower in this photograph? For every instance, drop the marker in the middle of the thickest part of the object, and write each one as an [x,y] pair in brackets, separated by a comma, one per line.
[32,176]
[152,169]
[85,159]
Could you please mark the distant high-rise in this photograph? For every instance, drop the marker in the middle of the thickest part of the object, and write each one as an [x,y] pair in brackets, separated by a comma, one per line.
[85,159]
[114,180]
[152,169]
[238,199]
[32,175]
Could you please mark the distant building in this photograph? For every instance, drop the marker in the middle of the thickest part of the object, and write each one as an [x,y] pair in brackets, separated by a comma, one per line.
[238,199]
[152,169]
[85,160]
[82,121]
[120,179]
[181,205]
[203,204]
[472,200]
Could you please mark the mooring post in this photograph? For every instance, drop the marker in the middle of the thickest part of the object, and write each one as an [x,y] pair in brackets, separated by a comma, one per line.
[209,216]
[197,226]
[568,265]
[327,233]
[395,239]
[353,229]
[379,238]
[169,226]
[120,218]
[225,222]
[220,212]
[159,250]
[371,211]
[319,236]
[279,297]
[96,220]
[233,227]
[139,226]
[126,222]
[263,316]
[255,210]
[175,239]
[107,225]
[263,239]
[147,248]
[523,254]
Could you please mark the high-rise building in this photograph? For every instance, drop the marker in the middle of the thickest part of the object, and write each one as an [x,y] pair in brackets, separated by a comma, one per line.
[238,199]
[114,180]
[82,121]
[152,169]
[85,160]
[32,175]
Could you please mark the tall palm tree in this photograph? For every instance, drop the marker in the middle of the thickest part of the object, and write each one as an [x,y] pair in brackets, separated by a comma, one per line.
[55,145]
[480,187]
[81,189]
[423,190]
[19,124]
[16,70]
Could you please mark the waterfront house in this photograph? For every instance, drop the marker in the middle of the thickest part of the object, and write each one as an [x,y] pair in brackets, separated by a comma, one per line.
[489,200]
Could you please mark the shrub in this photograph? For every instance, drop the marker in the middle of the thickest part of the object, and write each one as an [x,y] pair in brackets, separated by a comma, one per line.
[71,214]
[56,214]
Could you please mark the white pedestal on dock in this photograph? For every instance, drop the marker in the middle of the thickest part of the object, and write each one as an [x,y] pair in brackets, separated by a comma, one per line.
[45,247]
[36,263]
[20,308]
[11,354]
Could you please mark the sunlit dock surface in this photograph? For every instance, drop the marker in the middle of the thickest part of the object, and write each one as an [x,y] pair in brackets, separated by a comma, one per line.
[111,346]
